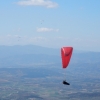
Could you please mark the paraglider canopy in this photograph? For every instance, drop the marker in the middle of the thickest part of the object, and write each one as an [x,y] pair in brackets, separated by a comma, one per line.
[66,53]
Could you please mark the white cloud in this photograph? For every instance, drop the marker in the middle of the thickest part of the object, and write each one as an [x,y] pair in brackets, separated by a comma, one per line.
[45,3]
[19,29]
[37,39]
[44,29]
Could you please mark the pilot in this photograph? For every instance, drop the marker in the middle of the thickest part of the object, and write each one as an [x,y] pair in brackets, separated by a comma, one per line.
[65,83]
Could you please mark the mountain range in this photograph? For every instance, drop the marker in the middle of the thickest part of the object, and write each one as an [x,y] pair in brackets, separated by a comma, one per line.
[32,55]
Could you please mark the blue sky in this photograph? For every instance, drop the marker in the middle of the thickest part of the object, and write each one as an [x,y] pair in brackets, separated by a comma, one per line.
[51,23]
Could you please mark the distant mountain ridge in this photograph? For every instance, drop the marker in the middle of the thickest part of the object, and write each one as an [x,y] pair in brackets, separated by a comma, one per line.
[26,49]
[36,55]
[27,55]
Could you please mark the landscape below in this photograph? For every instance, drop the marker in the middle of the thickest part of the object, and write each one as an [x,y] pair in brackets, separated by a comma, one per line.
[29,75]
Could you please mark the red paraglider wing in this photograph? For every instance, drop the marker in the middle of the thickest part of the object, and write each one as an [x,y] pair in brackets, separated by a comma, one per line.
[66,53]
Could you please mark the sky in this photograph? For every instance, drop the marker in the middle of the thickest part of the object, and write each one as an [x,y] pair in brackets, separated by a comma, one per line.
[51,23]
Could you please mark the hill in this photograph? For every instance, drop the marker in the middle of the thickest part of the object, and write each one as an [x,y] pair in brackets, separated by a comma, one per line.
[32,55]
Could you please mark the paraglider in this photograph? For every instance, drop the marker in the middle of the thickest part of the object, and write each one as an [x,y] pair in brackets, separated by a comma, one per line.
[66,53]
[66,83]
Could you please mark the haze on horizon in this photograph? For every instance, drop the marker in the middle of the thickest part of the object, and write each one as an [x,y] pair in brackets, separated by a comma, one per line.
[51,23]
